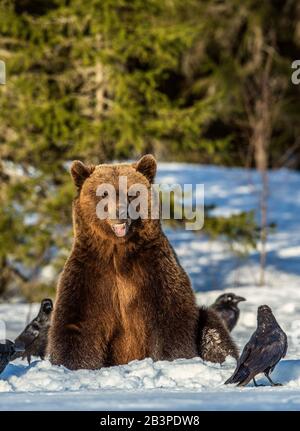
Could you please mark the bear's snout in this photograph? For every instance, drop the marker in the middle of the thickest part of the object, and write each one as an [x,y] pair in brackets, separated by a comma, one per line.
[121,228]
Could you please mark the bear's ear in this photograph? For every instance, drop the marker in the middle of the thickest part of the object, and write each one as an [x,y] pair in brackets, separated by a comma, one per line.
[80,172]
[146,166]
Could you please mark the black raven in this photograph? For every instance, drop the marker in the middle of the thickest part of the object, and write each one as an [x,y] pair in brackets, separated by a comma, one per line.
[226,306]
[7,350]
[34,338]
[263,351]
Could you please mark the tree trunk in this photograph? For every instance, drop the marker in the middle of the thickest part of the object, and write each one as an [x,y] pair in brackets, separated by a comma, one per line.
[260,140]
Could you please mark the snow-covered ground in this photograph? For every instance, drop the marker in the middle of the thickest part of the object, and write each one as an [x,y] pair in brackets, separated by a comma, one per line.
[190,384]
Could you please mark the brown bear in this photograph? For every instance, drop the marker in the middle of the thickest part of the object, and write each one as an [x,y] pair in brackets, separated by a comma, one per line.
[123,295]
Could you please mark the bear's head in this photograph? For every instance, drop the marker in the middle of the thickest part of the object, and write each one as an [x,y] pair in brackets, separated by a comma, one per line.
[114,200]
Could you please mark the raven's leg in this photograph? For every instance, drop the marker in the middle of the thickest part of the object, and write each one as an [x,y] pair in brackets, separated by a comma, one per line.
[255,383]
[271,381]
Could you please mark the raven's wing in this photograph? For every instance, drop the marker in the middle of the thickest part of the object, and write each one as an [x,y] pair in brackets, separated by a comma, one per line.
[281,348]
[266,354]
[26,338]
[30,333]
[249,347]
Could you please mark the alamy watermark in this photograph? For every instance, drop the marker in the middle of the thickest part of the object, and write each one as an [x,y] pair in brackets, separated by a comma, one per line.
[2,73]
[165,201]
[295,78]
[2,331]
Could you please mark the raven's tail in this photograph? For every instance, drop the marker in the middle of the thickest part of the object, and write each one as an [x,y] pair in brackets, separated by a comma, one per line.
[240,376]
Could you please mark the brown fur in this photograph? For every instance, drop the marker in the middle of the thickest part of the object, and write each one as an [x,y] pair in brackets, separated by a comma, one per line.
[120,299]
[213,338]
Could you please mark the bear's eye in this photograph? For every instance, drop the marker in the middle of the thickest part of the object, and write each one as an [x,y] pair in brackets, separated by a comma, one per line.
[104,194]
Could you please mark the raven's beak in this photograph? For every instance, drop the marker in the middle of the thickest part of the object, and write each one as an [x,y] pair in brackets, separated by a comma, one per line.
[239,299]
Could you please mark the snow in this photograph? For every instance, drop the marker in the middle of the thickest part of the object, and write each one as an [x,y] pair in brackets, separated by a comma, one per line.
[187,384]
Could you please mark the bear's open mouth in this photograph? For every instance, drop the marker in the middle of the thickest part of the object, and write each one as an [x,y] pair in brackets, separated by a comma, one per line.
[120,229]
